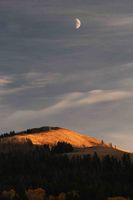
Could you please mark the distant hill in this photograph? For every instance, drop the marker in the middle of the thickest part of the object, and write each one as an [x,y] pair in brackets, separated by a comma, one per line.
[53,135]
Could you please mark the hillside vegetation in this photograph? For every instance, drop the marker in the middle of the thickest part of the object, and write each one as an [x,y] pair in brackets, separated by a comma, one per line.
[46,174]
[52,135]
[52,163]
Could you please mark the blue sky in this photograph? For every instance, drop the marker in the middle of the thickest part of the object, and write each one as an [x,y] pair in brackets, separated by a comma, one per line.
[53,74]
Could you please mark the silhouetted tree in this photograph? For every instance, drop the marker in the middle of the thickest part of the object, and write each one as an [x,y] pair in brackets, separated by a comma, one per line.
[62,147]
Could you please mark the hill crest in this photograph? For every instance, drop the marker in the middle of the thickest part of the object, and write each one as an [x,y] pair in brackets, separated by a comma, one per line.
[53,135]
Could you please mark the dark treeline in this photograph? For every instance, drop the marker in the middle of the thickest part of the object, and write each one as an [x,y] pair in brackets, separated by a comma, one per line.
[29,131]
[91,177]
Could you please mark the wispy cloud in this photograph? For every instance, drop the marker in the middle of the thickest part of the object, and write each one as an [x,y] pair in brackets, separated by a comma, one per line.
[97,96]
[77,99]
[30,80]
[120,21]
[4,80]
[38,79]
[72,100]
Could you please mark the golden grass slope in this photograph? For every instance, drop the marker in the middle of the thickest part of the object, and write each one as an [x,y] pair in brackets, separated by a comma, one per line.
[63,135]
[52,137]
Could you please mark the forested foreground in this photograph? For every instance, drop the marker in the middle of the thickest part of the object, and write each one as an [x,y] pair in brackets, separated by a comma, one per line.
[44,173]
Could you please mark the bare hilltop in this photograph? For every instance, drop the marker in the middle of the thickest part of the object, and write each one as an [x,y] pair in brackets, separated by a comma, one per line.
[83,144]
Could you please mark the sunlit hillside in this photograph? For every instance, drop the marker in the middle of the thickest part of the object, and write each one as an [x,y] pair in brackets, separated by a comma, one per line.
[52,136]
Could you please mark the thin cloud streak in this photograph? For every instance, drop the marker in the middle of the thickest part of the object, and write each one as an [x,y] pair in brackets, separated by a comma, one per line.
[70,101]
[5,80]
[78,99]
[27,81]
[126,21]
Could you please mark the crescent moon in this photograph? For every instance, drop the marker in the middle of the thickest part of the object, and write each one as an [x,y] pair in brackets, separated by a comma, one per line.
[77,23]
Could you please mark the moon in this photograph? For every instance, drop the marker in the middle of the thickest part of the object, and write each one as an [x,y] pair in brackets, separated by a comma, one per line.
[77,23]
